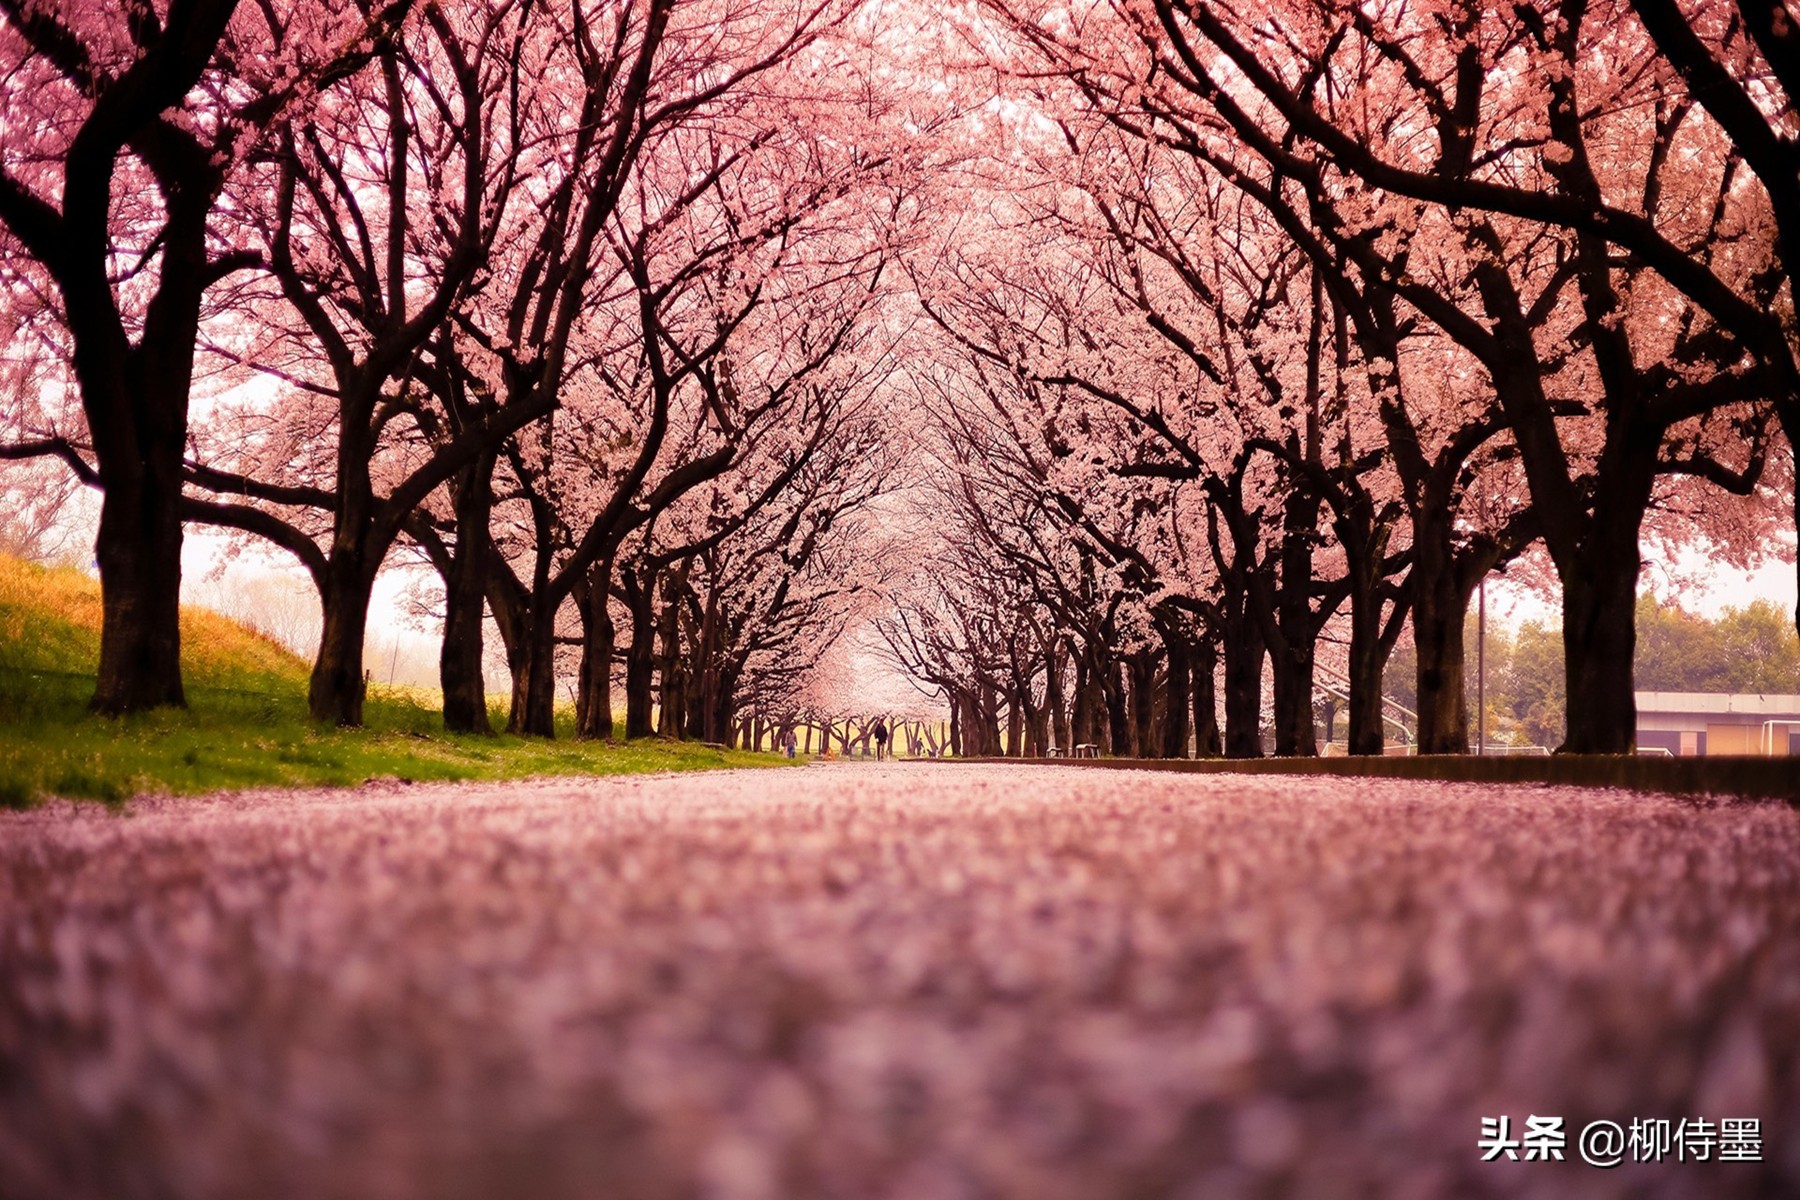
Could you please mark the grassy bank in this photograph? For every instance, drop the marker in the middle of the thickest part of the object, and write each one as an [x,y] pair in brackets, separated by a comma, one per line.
[246,725]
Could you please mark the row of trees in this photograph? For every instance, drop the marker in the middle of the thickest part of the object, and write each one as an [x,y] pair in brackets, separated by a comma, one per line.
[1290,324]
[584,305]
[1244,340]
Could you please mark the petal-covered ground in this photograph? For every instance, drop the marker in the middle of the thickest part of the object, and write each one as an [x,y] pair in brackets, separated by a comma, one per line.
[928,981]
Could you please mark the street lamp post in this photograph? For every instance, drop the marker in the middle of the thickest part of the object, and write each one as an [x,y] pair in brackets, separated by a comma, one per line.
[1481,670]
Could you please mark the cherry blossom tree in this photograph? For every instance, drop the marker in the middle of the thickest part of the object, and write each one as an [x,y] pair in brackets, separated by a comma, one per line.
[509,128]
[762,605]
[121,126]
[1561,148]
[1533,120]
[738,365]
[728,332]
[373,219]
[1055,567]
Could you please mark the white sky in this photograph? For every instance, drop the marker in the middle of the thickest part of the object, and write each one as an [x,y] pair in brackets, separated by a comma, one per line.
[1720,589]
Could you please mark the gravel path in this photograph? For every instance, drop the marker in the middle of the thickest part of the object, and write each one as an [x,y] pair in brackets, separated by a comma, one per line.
[914,981]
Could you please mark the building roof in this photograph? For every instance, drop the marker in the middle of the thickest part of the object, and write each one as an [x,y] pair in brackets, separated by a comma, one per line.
[1746,703]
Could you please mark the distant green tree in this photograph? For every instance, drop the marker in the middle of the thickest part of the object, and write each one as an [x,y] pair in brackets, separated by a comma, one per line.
[1749,649]
[1500,726]
[1531,685]
[1399,680]
[1676,650]
[1758,649]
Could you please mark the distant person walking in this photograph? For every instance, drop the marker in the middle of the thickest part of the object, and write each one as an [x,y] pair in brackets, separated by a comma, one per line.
[881,736]
[789,742]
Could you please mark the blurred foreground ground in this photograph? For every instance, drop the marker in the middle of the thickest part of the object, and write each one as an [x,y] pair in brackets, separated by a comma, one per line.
[914,981]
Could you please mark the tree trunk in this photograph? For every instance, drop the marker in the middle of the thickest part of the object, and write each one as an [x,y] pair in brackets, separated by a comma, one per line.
[1084,722]
[337,688]
[701,669]
[136,398]
[1243,679]
[1440,604]
[593,701]
[1054,700]
[531,653]
[1207,743]
[1144,742]
[1295,733]
[974,742]
[1175,707]
[1118,713]
[1291,656]
[1599,640]
[1037,734]
[518,667]
[540,678]
[465,594]
[139,553]
[1596,551]
[1364,731]
[721,706]
[714,675]
[510,608]
[672,715]
[640,657]
[358,544]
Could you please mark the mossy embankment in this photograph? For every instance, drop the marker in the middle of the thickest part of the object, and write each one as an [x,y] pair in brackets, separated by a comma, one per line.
[246,723]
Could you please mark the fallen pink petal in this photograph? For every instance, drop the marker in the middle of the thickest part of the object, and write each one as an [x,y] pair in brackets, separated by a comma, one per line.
[918,981]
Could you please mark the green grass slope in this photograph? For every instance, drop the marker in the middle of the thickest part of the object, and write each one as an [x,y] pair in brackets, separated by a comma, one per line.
[50,625]
[246,724]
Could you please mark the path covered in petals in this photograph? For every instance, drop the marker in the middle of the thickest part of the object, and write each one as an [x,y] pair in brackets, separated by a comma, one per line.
[913,981]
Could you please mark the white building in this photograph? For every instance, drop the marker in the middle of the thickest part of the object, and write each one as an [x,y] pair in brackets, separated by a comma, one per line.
[1689,723]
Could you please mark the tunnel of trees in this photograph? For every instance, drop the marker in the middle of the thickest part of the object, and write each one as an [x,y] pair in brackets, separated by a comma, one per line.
[1147,377]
